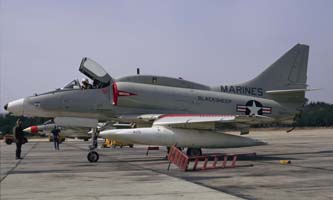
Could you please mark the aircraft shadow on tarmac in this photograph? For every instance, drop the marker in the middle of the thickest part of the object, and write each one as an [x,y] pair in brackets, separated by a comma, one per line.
[135,160]
[295,153]
[39,171]
[272,158]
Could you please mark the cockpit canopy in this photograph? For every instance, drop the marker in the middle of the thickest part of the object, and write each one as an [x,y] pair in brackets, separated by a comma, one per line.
[95,72]
[100,78]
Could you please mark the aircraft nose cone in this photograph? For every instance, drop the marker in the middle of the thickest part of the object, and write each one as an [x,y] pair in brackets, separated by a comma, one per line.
[15,107]
[31,129]
[6,106]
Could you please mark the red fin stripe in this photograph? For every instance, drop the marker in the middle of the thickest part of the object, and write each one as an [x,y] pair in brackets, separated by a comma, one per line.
[123,93]
[115,93]
[118,93]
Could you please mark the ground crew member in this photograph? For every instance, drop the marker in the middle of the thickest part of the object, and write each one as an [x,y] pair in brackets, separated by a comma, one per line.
[56,137]
[19,138]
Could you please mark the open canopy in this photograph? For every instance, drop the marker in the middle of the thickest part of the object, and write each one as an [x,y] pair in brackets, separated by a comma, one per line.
[94,71]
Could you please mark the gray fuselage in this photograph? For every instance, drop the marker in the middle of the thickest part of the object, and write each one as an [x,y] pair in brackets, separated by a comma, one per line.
[145,99]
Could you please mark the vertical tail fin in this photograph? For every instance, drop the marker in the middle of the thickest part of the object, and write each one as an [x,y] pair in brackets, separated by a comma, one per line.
[285,80]
[287,73]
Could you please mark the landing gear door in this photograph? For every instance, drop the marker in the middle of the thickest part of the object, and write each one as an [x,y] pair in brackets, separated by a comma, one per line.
[95,71]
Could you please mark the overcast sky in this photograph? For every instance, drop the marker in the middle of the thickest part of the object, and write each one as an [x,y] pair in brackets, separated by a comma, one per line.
[211,42]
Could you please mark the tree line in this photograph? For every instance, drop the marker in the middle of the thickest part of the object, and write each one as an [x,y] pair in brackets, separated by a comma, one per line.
[315,114]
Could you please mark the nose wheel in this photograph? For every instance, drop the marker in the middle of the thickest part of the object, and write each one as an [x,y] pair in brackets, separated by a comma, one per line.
[92,156]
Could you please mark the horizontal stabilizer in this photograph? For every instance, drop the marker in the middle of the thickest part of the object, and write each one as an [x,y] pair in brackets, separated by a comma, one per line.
[291,91]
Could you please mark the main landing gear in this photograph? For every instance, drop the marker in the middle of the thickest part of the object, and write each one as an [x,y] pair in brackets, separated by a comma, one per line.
[189,152]
[193,152]
[93,155]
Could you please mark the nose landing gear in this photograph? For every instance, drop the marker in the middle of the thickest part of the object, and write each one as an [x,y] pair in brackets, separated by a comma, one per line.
[93,156]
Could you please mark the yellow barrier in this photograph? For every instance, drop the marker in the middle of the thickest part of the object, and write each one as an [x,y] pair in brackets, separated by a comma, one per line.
[285,162]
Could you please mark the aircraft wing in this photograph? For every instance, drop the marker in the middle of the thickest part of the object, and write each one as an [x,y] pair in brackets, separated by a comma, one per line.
[208,121]
[190,130]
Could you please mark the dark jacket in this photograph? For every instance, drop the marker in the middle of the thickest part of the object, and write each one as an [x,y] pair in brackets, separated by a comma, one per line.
[55,133]
[19,135]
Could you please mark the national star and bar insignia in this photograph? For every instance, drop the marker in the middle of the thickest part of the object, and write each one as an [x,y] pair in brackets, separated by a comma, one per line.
[253,107]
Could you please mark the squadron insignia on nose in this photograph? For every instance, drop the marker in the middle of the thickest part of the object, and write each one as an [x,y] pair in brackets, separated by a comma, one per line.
[253,107]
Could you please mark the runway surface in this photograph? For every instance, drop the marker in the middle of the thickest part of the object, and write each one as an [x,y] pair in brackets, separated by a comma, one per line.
[127,173]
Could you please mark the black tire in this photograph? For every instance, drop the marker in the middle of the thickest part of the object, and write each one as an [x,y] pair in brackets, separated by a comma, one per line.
[85,139]
[92,156]
[8,141]
[131,145]
[193,152]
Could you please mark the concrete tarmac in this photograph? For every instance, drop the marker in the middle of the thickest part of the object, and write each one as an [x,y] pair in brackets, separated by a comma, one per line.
[127,173]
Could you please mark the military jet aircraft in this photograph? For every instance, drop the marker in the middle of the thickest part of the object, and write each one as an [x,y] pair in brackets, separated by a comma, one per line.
[170,111]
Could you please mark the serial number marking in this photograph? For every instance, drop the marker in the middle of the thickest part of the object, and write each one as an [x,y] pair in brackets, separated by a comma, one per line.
[213,99]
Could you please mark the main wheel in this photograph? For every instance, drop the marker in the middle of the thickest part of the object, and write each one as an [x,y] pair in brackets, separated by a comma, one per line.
[9,141]
[193,152]
[92,156]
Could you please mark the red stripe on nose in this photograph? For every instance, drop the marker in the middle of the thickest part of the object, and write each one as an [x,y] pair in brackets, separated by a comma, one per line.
[34,129]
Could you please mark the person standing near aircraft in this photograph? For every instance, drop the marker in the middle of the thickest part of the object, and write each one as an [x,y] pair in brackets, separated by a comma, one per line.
[56,137]
[19,138]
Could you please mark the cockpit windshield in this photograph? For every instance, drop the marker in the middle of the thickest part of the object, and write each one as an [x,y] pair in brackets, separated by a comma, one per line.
[75,84]
[50,121]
